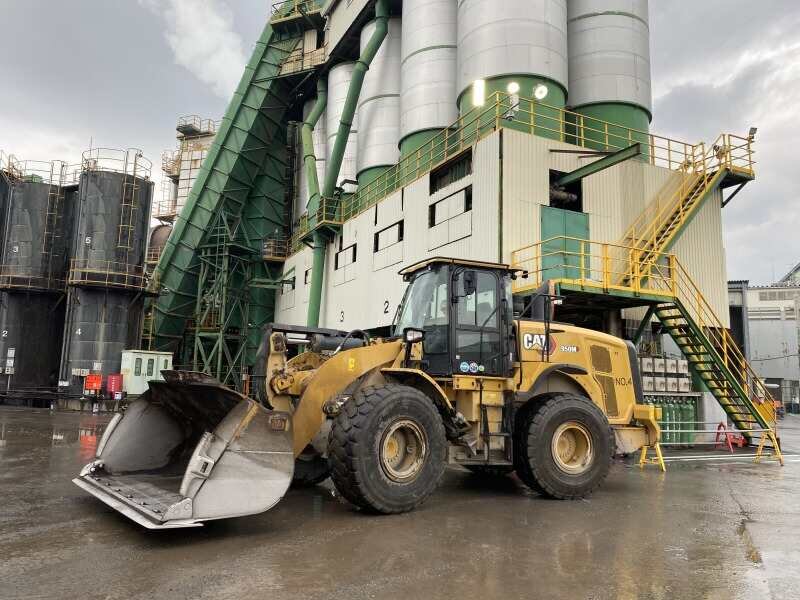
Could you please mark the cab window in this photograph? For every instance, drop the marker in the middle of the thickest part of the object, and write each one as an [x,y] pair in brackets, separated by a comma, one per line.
[478,342]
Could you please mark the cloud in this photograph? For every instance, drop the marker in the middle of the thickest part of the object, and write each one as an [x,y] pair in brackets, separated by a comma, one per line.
[202,38]
[727,83]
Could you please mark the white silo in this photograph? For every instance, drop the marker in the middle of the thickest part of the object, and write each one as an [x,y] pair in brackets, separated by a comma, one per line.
[428,73]
[517,47]
[338,83]
[379,106]
[609,63]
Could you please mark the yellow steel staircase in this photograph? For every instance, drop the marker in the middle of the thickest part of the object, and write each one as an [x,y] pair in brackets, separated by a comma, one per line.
[727,162]
[582,270]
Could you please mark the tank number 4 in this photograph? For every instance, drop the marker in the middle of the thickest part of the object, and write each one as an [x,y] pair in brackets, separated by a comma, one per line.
[622,380]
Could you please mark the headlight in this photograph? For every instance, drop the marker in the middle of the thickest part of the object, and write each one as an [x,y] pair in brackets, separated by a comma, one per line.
[411,336]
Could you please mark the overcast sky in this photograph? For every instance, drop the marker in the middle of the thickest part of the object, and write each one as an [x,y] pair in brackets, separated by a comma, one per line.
[119,73]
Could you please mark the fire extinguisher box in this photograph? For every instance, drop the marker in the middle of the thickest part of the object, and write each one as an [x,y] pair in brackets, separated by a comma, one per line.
[93,383]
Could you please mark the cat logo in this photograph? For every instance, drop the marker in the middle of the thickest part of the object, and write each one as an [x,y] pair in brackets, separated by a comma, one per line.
[537,341]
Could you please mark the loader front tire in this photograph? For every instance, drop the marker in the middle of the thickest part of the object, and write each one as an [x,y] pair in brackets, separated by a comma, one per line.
[563,446]
[387,449]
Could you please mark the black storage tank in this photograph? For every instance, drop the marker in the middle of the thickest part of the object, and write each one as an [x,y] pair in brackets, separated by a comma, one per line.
[36,225]
[106,277]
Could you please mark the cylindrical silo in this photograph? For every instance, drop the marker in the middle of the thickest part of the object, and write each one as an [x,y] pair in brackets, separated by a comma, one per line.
[379,106]
[106,276]
[320,151]
[519,49]
[338,83]
[428,73]
[35,236]
[609,68]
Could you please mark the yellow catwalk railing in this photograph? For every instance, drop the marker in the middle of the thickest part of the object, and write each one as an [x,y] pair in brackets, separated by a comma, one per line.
[658,225]
[602,268]
[289,9]
[501,111]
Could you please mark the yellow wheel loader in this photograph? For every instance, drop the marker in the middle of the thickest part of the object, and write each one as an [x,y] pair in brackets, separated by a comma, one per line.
[460,382]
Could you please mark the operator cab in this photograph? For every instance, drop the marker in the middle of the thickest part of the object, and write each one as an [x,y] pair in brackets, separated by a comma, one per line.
[465,310]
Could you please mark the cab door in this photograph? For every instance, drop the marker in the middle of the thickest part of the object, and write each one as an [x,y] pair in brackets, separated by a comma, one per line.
[478,318]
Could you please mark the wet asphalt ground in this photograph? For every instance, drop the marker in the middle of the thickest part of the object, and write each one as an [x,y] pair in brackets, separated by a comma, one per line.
[709,528]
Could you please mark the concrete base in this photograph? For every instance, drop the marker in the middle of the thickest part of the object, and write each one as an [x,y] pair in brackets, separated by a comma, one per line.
[707,528]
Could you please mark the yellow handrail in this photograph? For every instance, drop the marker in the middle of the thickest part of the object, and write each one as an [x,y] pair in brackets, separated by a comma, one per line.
[609,268]
[535,117]
[700,172]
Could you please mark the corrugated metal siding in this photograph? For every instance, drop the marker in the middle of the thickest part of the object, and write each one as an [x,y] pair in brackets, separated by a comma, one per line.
[525,188]
[701,251]
[613,198]
[370,298]
[291,305]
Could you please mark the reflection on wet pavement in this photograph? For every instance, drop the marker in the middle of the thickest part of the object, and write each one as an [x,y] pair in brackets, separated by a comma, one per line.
[691,533]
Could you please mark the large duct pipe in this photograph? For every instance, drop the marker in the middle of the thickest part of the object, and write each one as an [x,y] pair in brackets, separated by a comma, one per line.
[307,136]
[335,162]
[360,70]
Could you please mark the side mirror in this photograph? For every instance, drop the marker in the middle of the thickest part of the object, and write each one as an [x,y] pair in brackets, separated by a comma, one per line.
[412,336]
[469,283]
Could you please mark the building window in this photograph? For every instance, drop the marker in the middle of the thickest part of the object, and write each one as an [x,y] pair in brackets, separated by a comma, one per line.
[388,236]
[451,172]
[345,256]
[307,277]
[151,365]
[450,207]
[137,367]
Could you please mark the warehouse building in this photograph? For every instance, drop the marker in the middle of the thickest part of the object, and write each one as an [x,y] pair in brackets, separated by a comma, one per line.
[764,321]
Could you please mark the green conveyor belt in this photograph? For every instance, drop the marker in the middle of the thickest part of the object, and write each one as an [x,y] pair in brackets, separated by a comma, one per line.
[240,183]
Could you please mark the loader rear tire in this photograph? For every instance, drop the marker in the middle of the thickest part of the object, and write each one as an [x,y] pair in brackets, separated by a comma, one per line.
[387,449]
[563,446]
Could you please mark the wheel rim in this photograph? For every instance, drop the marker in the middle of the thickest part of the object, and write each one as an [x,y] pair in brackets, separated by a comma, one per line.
[403,450]
[572,448]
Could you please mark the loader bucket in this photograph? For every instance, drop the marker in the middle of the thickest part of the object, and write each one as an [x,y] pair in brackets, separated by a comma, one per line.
[190,450]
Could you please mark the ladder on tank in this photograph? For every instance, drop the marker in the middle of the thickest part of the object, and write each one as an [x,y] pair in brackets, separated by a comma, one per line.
[52,217]
[129,204]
